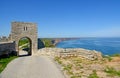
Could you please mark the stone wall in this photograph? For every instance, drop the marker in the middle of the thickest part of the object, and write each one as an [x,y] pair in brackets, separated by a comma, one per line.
[25,30]
[20,30]
[6,48]
[80,52]
[4,39]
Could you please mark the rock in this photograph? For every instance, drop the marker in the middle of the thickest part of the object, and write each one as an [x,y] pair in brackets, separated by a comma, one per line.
[80,52]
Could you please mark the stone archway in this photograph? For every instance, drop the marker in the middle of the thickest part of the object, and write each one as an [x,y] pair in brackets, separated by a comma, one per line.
[25,46]
[22,29]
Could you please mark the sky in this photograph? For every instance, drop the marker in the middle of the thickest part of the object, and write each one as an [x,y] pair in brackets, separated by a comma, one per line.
[63,18]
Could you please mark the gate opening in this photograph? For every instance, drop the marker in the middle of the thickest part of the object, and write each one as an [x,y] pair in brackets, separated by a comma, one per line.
[24,47]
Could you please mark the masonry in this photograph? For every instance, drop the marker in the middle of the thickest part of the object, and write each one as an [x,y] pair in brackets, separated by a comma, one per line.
[22,30]
[7,47]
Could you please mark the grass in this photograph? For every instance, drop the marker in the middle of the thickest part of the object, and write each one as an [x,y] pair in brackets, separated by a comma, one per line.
[77,67]
[93,75]
[58,60]
[5,61]
[76,76]
[112,72]
[116,55]
[109,58]
[75,64]
[48,42]
[68,67]
[23,41]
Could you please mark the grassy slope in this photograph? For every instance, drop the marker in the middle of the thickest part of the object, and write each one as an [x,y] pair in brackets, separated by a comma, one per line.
[5,61]
[23,41]
[47,42]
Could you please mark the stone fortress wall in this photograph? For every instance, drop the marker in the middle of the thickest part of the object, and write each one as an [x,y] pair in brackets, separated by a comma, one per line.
[19,30]
[4,39]
[6,47]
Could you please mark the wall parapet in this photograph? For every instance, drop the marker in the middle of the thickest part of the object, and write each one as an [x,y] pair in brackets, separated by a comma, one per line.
[7,47]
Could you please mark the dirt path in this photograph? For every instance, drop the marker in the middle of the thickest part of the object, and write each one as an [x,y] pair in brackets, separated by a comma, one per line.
[32,67]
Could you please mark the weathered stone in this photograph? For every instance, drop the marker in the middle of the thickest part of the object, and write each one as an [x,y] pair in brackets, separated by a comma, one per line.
[27,30]
[20,30]
[60,52]
[7,48]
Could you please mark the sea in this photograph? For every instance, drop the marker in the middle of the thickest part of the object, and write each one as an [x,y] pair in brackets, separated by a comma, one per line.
[107,46]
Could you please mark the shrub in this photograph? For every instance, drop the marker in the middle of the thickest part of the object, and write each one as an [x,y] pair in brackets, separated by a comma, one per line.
[93,75]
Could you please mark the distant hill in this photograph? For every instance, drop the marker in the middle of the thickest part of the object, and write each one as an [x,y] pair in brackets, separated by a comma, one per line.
[51,42]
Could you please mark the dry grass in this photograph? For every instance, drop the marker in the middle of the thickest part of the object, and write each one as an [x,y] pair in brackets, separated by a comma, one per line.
[77,67]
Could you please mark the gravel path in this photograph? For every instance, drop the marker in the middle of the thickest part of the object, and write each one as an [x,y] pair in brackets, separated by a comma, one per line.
[32,67]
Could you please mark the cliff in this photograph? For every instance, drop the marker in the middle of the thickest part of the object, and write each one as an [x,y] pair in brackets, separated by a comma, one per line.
[57,40]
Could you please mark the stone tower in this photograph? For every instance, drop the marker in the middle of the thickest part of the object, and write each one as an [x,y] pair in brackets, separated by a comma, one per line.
[25,30]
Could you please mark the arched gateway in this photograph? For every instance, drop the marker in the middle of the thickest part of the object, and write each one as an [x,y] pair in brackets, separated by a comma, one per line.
[24,30]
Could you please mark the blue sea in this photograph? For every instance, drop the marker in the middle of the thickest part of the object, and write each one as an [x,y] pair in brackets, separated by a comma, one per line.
[107,46]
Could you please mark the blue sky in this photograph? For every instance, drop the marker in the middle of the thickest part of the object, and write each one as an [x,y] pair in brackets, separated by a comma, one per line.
[63,18]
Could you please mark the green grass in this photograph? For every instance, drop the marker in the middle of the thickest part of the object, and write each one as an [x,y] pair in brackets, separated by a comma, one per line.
[93,75]
[58,60]
[116,55]
[23,41]
[68,67]
[112,72]
[48,42]
[5,61]
[109,58]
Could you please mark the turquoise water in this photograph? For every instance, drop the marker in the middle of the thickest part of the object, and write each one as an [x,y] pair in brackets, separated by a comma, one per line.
[107,46]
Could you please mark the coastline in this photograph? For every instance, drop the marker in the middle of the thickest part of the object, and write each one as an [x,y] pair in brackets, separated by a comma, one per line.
[108,46]
[58,40]
[98,44]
